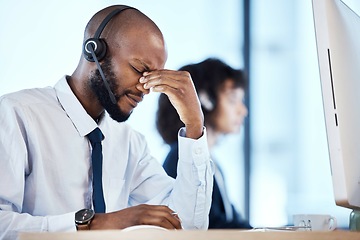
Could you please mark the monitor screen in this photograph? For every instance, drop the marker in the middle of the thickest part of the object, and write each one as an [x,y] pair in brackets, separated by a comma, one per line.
[337,30]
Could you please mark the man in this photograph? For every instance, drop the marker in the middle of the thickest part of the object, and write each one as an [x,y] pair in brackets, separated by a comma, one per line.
[47,179]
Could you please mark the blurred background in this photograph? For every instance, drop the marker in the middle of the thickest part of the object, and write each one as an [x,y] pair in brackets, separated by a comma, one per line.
[278,165]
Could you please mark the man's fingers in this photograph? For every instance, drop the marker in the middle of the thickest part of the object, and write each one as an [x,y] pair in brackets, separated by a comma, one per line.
[161,216]
[174,79]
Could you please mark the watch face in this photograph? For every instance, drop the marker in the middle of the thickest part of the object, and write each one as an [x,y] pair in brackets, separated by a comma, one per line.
[84,216]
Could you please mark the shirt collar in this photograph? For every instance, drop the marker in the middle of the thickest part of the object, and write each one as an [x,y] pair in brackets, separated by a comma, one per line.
[82,121]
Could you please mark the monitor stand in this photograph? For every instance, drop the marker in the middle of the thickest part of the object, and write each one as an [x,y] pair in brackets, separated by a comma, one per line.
[354,223]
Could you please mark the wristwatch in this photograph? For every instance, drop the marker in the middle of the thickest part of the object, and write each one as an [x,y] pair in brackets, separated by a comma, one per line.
[83,219]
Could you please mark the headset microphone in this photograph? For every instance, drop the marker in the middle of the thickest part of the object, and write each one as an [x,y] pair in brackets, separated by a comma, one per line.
[111,94]
[94,49]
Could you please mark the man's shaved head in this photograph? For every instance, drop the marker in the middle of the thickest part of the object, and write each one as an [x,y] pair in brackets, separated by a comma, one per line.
[127,21]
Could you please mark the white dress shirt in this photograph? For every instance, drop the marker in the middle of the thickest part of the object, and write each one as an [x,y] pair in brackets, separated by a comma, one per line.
[45,160]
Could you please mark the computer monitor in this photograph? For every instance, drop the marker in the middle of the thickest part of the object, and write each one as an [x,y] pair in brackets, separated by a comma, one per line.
[337,30]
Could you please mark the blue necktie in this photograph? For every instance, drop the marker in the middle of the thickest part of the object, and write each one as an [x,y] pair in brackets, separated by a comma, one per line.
[95,138]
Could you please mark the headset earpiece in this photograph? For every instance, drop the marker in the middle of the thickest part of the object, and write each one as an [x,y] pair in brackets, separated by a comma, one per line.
[99,46]
[206,101]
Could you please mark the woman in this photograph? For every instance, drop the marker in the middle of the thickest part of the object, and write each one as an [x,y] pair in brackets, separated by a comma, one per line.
[221,91]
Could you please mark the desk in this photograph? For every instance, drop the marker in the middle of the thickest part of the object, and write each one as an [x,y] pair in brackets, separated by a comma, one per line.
[193,235]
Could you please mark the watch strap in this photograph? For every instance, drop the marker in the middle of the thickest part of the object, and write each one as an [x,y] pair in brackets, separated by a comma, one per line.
[83,227]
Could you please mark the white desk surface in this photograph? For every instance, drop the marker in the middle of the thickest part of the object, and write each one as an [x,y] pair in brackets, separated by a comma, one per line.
[148,234]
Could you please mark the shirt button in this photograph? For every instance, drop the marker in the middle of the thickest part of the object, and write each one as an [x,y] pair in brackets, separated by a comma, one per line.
[198,151]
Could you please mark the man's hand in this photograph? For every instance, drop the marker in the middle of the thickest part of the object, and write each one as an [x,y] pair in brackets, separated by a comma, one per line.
[161,216]
[179,87]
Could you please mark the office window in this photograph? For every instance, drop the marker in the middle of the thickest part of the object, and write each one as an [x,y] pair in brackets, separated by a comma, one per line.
[290,163]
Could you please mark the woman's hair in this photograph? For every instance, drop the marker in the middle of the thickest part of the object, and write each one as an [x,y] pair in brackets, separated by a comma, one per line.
[208,77]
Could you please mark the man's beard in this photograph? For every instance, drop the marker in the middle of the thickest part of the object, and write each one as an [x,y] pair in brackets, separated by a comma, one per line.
[97,85]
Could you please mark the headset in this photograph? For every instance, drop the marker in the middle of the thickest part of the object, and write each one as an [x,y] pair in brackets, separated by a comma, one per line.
[94,49]
[206,101]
